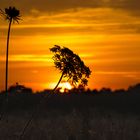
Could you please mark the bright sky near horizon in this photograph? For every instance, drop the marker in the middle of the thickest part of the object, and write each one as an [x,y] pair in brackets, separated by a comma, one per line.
[104,33]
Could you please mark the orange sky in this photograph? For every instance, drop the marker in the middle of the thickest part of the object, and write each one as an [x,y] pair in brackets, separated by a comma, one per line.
[105,34]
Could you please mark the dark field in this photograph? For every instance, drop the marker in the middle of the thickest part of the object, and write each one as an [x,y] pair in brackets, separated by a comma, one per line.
[73,116]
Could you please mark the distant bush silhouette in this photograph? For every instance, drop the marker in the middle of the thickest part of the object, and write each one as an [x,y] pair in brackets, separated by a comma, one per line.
[19,89]
[135,88]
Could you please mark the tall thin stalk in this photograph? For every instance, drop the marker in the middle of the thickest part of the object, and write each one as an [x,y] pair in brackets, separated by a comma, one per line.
[11,14]
[7,51]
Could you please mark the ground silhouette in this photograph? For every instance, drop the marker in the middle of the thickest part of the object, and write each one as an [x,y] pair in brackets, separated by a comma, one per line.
[81,112]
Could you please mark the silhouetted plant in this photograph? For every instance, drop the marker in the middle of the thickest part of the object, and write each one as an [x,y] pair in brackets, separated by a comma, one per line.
[12,15]
[19,89]
[70,65]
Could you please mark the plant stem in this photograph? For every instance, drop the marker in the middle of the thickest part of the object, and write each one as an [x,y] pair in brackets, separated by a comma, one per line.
[58,82]
[7,50]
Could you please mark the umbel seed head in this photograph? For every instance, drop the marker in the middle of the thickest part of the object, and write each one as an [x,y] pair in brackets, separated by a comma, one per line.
[71,65]
[11,14]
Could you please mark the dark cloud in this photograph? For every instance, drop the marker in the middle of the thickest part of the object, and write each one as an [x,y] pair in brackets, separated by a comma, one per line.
[131,6]
[50,6]
[47,31]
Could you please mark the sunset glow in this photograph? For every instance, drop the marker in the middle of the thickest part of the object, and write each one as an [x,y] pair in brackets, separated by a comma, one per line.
[65,86]
[105,35]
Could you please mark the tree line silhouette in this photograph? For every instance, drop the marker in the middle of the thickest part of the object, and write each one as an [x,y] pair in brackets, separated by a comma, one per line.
[24,97]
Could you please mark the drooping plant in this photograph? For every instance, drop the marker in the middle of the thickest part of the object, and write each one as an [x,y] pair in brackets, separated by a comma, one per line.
[10,14]
[70,65]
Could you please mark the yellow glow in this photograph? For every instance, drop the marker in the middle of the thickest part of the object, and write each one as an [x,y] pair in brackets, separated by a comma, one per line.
[65,86]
